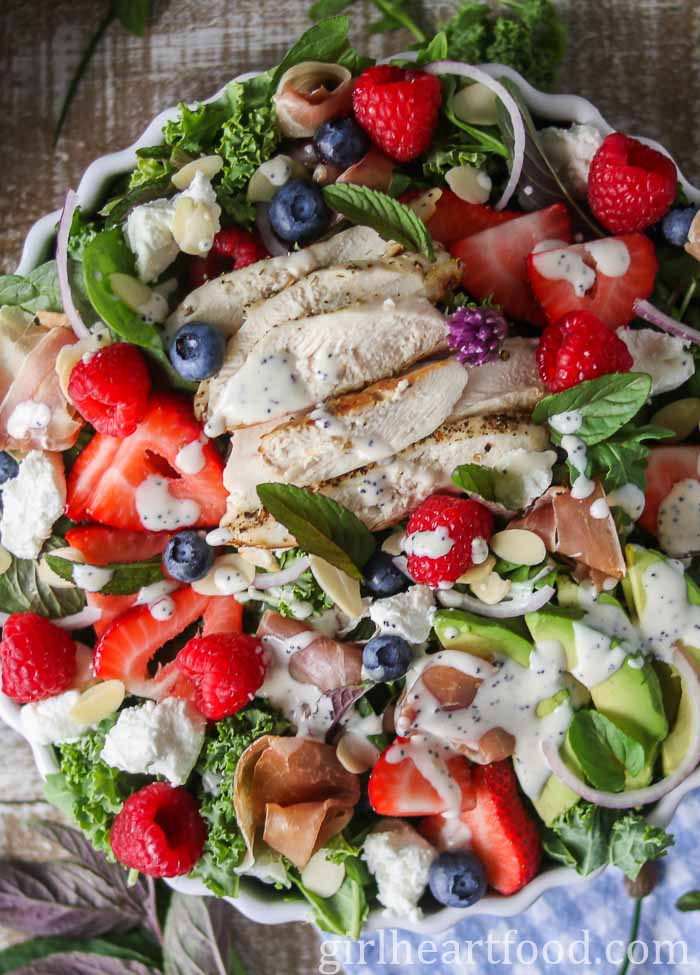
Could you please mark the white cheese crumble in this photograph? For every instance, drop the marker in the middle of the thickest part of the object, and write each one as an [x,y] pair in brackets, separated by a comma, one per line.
[571,151]
[401,870]
[48,722]
[32,502]
[408,614]
[664,357]
[156,739]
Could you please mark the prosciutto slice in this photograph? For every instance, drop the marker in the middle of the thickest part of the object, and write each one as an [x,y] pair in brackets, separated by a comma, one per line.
[296,791]
[28,379]
[566,525]
[310,94]
[374,170]
[327,663]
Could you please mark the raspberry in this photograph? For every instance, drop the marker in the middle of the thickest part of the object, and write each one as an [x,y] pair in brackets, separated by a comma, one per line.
[159,831]
[110,389]
[457,525]
[226,670]
[630,186]
[232,249]
[38,659]
[398,108]
[577,347]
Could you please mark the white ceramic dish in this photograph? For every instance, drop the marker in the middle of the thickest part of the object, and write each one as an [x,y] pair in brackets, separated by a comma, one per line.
[261,904]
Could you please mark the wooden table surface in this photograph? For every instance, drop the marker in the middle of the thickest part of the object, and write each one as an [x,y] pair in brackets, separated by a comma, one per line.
[636,59]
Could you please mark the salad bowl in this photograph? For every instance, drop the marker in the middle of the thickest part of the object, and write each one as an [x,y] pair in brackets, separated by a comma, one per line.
[266,905]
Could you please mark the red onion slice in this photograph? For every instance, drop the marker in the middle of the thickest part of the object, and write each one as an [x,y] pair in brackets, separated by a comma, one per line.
[266,580]
[510,105]
[650,313]
[77,324]
[270,241]
[506,609]
[639,797]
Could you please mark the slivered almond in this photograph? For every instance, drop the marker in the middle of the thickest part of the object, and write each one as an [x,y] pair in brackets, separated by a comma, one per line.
[98,702]
[392,544]
[492,589]
[424,205]
[229,574]
[5,560]
[338,585]
[193,227]
[132,292]
[209,165]
[263,558]
[476,104]
[477,572]
[355,753]
[518,546]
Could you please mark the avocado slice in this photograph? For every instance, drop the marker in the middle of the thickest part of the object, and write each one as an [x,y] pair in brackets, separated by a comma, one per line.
[557,798]
[457,629]
[675,748]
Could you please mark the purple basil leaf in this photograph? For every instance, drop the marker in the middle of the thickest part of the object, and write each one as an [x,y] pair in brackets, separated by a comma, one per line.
[77,963]
[199,937]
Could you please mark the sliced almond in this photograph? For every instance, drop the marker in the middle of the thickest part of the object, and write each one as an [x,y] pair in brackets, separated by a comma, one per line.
[693,245]
[355,753]
[98,702]
[477,572]
[263,558]
[424,205]
[51,578]
[476,104]
[338,586]
[392,544]
[131,291]
[321,876]
[682,417]
[70,355]
[229,574]
[469,183]
[194,226]
[492,589]
[209,165]
[518,546]
[5,560]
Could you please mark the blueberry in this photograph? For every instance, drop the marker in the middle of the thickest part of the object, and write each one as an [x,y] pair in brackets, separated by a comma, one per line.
[187,556]
[382,577]
[297,211]
[676,224]
[386,657]
[197,351]
[457,879]
[9,468]
[341,142]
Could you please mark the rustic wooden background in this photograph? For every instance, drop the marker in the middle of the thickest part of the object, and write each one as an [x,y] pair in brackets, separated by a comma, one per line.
[637,59]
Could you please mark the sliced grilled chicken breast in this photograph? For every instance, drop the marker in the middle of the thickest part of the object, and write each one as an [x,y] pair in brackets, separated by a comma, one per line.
[222,302]
[509,385]
[302,363]
[382,494]
[330,289]
[350,431]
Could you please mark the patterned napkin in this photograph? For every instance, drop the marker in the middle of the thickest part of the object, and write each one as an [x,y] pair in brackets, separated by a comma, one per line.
[561,917]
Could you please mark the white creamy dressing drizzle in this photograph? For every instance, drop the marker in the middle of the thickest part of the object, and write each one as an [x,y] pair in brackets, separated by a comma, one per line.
[549,245]
[304,704]
[611,258]
[91,578]
[157,598]
[28,417]
[679,519]
[266,386]
[370,449]
[575,449]
[628,497]
[190,458]
[430,756]
[599,509]
[568,422]
[159,510]
[162,609]
[668,617]
[431,544]
[229,580]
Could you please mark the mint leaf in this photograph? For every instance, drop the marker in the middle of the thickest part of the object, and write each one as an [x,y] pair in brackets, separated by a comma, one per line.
[476,479]
[127,577]
[689,901]
[623,458]
[604,751]
[391,219]
[320,526]
[606,404]
[22,591]
[15,958]
[323,42]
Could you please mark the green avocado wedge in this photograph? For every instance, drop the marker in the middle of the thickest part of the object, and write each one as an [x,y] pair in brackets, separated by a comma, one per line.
[458,629]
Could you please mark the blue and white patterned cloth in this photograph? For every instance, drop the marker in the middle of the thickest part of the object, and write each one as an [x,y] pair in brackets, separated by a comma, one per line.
[561,918]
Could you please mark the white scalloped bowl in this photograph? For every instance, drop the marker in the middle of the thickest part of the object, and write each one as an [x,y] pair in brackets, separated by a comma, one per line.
[264,904]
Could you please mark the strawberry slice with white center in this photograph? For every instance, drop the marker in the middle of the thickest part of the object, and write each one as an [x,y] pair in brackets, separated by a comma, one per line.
[110,608]
[495,260]
[398,787]
[137,483]
[100,545]
[223,615]
[603,277]
[667,466]
[454,218]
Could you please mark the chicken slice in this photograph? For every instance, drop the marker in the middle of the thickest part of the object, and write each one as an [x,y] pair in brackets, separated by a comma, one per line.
[330,289]
[302,363]
[509,385]
[382,494]
[350,431]
[223,301]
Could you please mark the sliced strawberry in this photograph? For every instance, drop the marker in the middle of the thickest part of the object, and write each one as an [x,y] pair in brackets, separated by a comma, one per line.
[610,297]
[503,835]
[126,647]
[110,606]
[455,219]
[224,614]
[104,480]
[495,259]
[667,466]
[399,789]
[102,546]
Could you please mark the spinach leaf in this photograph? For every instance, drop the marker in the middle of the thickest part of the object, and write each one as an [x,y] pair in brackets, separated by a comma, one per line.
[37,291]
[481,137]
[475,479]
[320,526]
[22,590]
[345,911]
[127,577]
[606,404]
[323,42]
[391,219]
[604,751]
